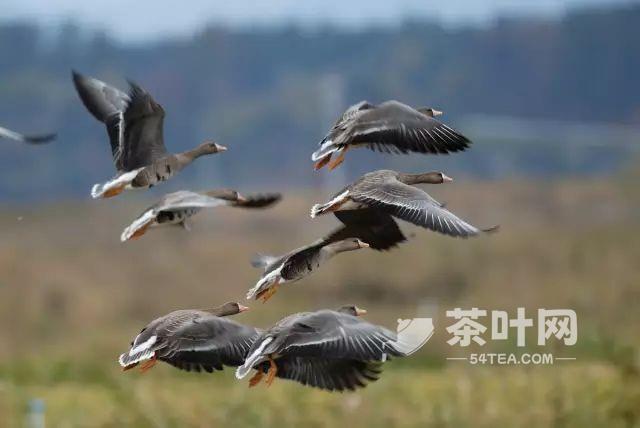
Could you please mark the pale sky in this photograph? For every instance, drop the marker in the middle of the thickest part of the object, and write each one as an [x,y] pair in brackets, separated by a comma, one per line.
[140,20]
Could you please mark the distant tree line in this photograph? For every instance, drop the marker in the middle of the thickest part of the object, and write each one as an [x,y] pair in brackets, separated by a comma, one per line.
[264,92]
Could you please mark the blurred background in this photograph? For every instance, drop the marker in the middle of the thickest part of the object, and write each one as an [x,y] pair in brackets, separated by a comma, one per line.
[548,92]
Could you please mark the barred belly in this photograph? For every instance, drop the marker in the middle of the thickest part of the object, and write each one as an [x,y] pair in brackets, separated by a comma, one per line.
[175,216]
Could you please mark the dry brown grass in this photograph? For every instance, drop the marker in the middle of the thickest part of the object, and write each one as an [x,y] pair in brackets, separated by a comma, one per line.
[72,294]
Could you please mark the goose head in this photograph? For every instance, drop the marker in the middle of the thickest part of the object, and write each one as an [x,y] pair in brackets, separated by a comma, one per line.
[229,308]
[352,310]
[435,177]
[211,147]
[350,244]
[429,111]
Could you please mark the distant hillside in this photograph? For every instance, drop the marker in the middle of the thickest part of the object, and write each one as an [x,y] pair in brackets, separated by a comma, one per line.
[270,95]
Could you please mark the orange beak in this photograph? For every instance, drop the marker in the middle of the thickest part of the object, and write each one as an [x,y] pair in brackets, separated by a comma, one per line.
[360,312]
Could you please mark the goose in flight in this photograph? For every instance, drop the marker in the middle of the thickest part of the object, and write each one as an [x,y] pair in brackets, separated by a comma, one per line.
[297,264]
[393,193]
[175,208]
[29,139]
[192,340]
[134,123]
[335,350]
[391,127]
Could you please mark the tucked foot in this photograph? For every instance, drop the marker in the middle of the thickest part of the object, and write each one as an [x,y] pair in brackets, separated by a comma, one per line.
[322,162]
[271,374]
[115,191]
[268,293]
[148,365]
[333,165]
[138,233]
[256,379]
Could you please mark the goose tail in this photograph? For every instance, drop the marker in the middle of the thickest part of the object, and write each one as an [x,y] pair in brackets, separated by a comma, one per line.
[319,209]
[141,352]
[115,186]
[139,226]
[253,359]
[262,260]
[326,148]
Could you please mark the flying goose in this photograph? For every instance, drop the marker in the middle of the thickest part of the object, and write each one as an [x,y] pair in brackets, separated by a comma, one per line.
[391,127]
[135,126]
[175,208]
[392,193]
[297,264]
[29,139]
[192,339]
[326,349]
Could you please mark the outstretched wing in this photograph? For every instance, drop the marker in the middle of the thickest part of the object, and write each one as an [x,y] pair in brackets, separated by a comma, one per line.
[370,225]
[186,199]
[334,335]
[143,133]
[107,104]
[260,200]
[30,139]
[413,205]
[329,374]
[208,341]
[396,127]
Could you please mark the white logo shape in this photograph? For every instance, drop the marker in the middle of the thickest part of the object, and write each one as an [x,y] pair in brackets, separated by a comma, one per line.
[413,334]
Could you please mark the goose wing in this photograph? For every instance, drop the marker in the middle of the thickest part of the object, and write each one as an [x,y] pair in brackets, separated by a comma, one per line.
[328,374]
[396,127]
[370,225]
[176,201]
[186,199]
[107,104]
[411,204]
[334,335]
[30,139]
[207,341]
[260,200]
[143,133]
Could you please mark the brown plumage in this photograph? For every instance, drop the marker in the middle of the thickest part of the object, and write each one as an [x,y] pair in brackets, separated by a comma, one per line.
[326,349]
[134,123]
[177,207]
[391,127]
[192,340]
[392,193]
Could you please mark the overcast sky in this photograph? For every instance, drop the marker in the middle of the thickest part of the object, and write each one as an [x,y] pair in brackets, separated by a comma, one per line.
[139,20]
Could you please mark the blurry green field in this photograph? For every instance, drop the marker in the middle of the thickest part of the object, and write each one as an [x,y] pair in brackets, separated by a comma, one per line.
[72,297]
[578,395]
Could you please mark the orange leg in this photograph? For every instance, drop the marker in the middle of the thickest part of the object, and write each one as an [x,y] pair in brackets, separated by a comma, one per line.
[333,165]
[113,192]
[256,379]
[148,365]
[322,162]
[268,293]
[138,233]
[271,374]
